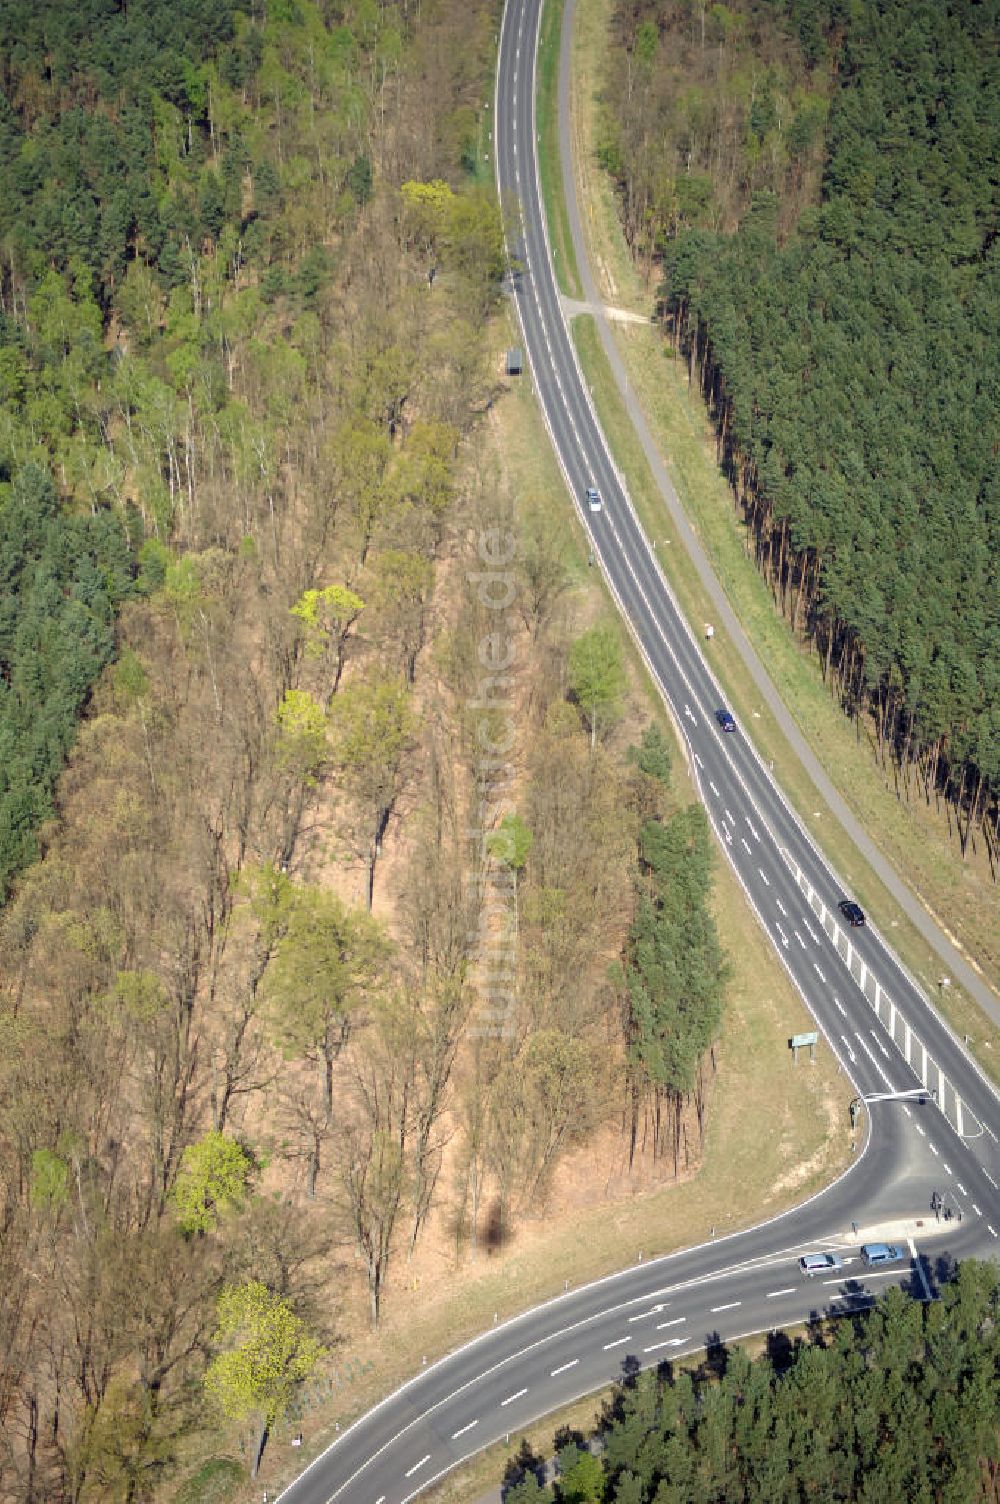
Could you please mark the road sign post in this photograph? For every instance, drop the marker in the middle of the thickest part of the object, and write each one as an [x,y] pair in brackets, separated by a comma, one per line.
[799,1041]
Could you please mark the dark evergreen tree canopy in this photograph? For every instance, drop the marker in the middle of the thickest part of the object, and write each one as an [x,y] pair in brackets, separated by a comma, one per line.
[853,367]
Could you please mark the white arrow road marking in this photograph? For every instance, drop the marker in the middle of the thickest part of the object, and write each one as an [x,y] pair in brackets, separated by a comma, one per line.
[690,714]
[462,1430]
[571,1364]
[670,1342]
[512,1397]
[645,1315]
[411,1470]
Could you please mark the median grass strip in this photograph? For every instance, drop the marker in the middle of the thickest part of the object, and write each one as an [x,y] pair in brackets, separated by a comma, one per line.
[549,161]
[961,895]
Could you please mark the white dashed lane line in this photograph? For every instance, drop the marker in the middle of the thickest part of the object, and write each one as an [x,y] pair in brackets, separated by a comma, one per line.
[934,1149]
[752,831]
[816,968]
[411,1470]
[773,1294]
[799,939]
[729,817]
[920,1130]
[745,844]
[961,1187]
[781,907]
[767,880]
[975,1208]
[699,761]
[564,1367]
[853,1058]
[512,1397]
[670,1342]
[662,1325]
[812,932]
[784,937]
[714,789]
[992,1182]
[730,1307]
[840,1005]
[617,1343]
[462,1430]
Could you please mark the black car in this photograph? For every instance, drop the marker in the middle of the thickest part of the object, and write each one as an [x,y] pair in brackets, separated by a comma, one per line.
[725,720]
[852,912]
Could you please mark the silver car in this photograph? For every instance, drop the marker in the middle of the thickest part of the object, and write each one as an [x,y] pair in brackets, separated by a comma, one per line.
[819,1263]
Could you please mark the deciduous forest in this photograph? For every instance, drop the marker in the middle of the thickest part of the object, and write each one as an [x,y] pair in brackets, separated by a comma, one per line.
[263,879]
[818,184]
[896,1403]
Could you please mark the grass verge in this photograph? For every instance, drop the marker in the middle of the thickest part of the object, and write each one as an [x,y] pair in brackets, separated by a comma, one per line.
[549,161]
[962,896]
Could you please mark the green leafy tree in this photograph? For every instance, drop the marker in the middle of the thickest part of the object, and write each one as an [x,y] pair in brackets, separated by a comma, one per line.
[597,677]
[213,1177]
[266,1353]
[371,726]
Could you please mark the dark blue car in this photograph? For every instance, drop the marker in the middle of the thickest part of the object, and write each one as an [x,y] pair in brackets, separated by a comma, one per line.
[725,720]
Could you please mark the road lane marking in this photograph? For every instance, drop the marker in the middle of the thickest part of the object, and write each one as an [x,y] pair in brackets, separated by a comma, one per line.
[784,937]
[512,1397]
[746,845]
[617,1343]
[781,906]
[571,1364]
[840,1006]
[662,1325]
[714,789]
[975,1208]
[730,1307]
[799,939]
[879,1043]
[411,1470]
[767,880]
[773,1294]
[884,1078]
[992,1182]
[812,932]
[462,1430]
[992,1228]
[850,1052]
[816,969]
[934,1149]
[946,1168]
[961,1187]
[752,831]
[670,1342]
[729,817]
[920,1130]
[699,761]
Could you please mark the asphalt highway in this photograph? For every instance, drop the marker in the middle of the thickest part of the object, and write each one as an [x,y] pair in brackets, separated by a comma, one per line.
[883,1030]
